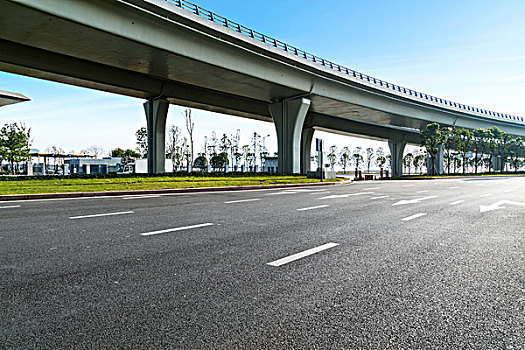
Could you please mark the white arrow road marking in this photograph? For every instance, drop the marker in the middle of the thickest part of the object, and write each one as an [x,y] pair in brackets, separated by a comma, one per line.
[303,254]
[498,205]
[414,201]
[334,196]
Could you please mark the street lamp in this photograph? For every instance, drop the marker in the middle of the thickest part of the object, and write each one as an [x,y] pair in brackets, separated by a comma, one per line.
[264,149]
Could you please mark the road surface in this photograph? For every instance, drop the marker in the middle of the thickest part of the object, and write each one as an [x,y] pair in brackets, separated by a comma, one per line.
[437,264]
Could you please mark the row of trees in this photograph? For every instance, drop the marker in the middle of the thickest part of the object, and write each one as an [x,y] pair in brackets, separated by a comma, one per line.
[478,150]
[358,158]
[216,152]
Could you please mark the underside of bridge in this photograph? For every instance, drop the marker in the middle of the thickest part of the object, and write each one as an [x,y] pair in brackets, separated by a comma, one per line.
[8,98]
[158,52]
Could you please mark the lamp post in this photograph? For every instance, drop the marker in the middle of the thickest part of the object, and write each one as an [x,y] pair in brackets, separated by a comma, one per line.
[264,149]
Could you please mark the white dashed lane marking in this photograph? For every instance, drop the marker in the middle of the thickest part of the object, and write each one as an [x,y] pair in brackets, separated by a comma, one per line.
[99,215]
[414,216]
[456,202]
[303,254]
[380,197]
[175,229]
[243,200]
[10,206]
[311,208]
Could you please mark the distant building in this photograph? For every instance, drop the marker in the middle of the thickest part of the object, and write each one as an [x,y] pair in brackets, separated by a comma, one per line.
[270,164]
[92,165]
[51,163]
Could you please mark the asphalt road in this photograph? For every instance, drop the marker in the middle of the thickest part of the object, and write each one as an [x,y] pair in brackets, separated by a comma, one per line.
[437,264]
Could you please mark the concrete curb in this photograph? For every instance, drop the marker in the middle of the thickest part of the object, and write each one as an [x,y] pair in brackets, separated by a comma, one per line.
[4,198]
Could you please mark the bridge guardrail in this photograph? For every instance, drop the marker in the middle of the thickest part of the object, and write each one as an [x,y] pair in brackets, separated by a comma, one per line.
[211,16]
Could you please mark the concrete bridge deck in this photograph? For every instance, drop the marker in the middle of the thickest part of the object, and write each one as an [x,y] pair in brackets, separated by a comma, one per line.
[175,52]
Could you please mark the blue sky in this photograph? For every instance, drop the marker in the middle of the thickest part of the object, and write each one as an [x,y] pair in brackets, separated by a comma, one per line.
[468,51]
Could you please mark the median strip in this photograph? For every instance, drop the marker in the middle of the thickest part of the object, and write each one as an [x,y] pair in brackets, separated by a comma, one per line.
[98,215]
[175,229]
[303,254]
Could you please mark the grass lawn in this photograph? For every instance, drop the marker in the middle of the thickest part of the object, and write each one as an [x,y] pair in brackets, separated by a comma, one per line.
[131,183]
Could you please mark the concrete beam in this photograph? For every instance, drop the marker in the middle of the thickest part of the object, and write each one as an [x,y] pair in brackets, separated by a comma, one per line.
[156,114]
[363,129]
[289,116]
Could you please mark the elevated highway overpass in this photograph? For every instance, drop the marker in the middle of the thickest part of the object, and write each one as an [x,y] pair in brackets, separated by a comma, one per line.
[171,51]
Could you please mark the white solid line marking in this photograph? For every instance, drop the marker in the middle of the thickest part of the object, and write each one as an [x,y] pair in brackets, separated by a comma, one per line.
[243,200]
[456,202]
[425,191]
[454,187]
[142,197]
[175,229]
[98,215]
[414,216]
[316,207]
[303,254]
[371,188]
[380,197]
[486,195]
[10,206]
[408,186]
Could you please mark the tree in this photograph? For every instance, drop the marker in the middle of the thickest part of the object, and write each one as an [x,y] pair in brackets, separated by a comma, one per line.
[464,144]
[478,137]
[344,158]
[419,161]
[332,156]
[495,140]
[127,155]
[142,142]
[190,125]
[357,157]
[408,161]
[218,161]
[14,143]
[432,138]
[369,157]
[174,139]
[380,158]
[93,150]
[201,162]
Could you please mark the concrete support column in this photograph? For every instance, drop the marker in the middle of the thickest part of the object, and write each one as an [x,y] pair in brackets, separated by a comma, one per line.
[289,117]
[396,152]
[156,114]
[439,163]
[306,147]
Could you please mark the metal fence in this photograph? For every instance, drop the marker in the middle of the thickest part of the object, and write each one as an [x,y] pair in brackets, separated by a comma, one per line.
[199,11]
